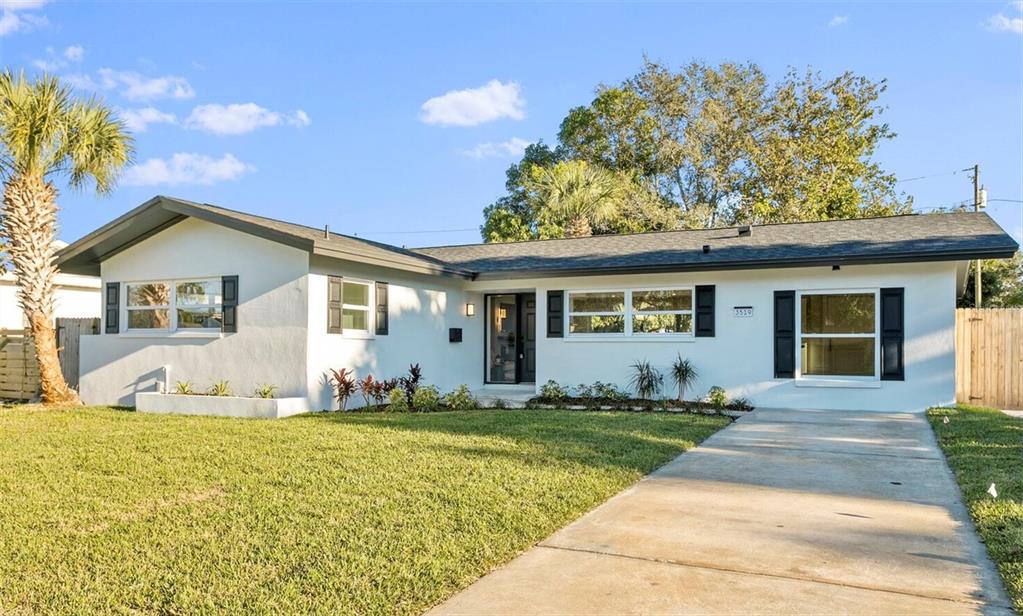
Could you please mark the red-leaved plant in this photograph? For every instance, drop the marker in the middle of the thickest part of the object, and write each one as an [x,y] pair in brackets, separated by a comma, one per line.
[344,386]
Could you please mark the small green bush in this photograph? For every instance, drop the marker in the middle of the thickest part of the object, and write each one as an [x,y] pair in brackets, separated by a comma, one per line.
[461,399]
[582,390]
[265,391]
[551,390]
[608,391]
[646,380]
[184,388]
[220,388]
[426,399]
[398,403]
[742,404]
[717,397]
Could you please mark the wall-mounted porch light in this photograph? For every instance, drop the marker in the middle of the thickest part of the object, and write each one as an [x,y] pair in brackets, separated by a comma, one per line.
[470,309]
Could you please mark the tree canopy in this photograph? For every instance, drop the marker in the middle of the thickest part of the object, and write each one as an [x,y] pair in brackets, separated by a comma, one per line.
[705,146]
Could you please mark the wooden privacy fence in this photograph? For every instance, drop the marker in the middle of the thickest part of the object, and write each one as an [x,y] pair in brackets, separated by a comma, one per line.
[989,357]
[69,333]
[19,370]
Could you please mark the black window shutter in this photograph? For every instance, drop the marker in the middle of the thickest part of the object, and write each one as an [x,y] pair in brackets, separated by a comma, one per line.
[113,307]
[892,334]
[229,294]
[784,334]
[555,314]
[381,308]
[705,311]
[334,304]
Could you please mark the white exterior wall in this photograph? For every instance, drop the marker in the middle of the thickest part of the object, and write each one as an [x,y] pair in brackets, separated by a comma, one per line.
[421,310]
[740,357]
[269,347]
[74,296]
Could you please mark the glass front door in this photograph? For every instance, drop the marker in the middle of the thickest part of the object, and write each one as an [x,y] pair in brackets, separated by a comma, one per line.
[502,338]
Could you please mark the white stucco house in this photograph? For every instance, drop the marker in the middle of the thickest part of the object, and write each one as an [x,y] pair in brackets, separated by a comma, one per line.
[855,314]
[73,297]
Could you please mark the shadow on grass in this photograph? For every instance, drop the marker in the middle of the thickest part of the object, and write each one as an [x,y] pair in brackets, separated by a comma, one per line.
[634,441]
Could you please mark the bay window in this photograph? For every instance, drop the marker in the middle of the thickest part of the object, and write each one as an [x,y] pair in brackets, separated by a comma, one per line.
[174,305]
[838,334]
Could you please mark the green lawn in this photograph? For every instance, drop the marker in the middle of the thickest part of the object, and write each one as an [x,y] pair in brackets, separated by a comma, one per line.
[985,446]
[104,510]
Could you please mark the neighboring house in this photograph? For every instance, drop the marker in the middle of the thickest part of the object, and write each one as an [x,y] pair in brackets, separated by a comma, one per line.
[73,296]
[854,314]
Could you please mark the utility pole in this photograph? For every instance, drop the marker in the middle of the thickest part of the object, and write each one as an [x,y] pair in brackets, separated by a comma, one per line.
[976,208]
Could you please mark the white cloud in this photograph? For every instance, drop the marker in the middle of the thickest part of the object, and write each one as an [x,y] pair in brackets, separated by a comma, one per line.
[14,18]
[74,53]
[511,148]
[238,119]
[53,63]
[1002,23]
[138,120]
[473,106]
[186,168]
[134,86]
[838,20]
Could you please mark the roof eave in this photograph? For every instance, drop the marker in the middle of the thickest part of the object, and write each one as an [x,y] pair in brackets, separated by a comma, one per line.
[416,266]
[517,274]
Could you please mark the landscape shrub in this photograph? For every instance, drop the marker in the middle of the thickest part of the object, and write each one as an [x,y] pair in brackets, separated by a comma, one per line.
[398,401]
[220,388]
[684,374]
[344,386]
[717,397]
[184,388]
[265,391]
[461,399]
[551,390]
[646,380]
[410,382]
[608,391]
[426,399]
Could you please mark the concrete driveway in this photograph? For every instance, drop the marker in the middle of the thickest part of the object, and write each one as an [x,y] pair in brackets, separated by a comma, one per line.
[782,512]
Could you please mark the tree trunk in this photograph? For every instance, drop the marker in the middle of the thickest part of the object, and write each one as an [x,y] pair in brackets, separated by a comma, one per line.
[28,228]
[578,226]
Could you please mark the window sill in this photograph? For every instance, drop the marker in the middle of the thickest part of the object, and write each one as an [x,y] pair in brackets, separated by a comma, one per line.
[838,383]
[354,336]
[642,339]
[172,335]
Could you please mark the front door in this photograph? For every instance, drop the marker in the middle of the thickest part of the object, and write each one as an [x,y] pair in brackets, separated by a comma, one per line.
[527,337]
[511,338]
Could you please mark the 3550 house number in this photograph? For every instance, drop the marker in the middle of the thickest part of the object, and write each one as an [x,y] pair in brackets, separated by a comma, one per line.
[742,312]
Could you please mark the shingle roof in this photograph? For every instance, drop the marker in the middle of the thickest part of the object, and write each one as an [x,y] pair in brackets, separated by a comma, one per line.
[931,237]
[952,236]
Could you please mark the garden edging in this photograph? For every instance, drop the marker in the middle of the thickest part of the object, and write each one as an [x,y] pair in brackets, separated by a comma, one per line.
[222,406]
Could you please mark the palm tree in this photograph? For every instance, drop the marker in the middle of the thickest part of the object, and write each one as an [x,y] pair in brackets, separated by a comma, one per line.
[579,194]
[45,131]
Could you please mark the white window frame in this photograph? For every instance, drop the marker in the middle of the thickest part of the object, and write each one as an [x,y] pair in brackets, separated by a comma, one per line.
[628,313]
[172,308]
[876,377]
[370,331]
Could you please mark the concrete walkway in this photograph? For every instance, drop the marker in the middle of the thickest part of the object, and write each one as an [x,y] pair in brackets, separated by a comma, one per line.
[782,512]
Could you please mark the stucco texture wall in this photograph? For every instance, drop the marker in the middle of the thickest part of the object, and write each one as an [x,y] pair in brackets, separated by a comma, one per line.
[422,308]
[740,357]
[269,346]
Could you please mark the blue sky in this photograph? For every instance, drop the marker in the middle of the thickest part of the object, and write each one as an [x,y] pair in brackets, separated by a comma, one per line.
[314,112]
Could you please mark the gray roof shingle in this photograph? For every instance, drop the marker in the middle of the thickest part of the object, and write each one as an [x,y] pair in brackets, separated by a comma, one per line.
[951,236]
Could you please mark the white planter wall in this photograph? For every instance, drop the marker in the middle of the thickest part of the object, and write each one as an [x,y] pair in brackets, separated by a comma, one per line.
[220,406]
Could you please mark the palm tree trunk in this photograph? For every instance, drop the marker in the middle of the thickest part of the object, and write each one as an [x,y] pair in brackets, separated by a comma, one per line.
[578,226]
[28,228]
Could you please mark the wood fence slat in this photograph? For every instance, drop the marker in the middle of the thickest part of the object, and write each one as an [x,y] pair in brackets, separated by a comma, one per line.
[989,357]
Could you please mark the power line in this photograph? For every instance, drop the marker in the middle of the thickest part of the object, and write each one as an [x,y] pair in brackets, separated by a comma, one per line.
[933,175]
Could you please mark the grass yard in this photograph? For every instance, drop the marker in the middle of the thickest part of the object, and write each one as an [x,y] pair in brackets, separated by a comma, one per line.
[985,446]
[105,510]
